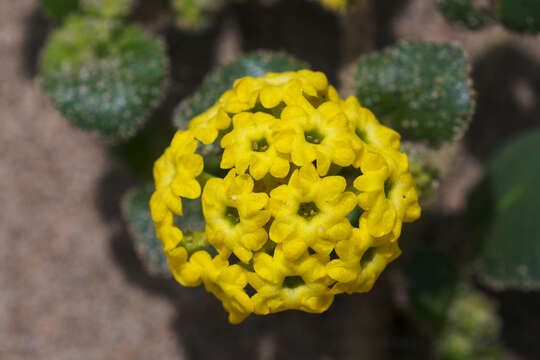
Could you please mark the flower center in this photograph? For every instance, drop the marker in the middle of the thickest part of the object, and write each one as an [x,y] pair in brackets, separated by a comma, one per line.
[260,145]
[231,213]
[316,101]
[292,282]
[354,216]
[313,136]
[367,257]
[387,187]
[308,210]
[361,134]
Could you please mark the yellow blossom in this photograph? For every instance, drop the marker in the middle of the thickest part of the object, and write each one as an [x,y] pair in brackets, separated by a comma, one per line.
[251,144]
[361,259]
[312,205]
[387,195]
[235,216]
[175,173]
[310,212]
[321,134]
[226,282]
[284,285]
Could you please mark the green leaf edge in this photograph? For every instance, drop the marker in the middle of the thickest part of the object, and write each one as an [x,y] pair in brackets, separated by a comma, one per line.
[469,84]
[137,239]
[476,266]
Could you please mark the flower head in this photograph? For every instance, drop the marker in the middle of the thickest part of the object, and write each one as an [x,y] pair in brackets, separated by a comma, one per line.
[235,215]
[310,212]
[312,203]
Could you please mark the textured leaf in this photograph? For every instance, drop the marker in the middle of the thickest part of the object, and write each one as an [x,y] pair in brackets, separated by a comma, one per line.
[59,9]
[520,15]
[222,79]
[465,13]
[504,210]
[103,76]
[136,212]
[422,90]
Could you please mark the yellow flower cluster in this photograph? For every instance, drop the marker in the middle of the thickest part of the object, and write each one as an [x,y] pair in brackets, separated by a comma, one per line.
[312,204]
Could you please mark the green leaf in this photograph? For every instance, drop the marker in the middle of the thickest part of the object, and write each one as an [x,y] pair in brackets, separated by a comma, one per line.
[107,8]
[103,76]
[433,279]
[59,9]
[422,90]
[222,79]
[466,13]
[196,14]
[519,15]
[136,212]
[504,211]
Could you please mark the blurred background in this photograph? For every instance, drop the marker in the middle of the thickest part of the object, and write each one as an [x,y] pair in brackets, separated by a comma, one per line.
[71,284]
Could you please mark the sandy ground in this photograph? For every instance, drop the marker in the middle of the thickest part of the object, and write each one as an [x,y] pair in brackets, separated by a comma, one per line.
[61,291]
[71,286]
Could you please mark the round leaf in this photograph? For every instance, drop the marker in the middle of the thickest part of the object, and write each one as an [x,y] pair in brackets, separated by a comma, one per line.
[504,210]
[422,90]
[103,76]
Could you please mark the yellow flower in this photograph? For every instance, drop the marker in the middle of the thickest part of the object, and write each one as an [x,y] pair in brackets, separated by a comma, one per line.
[321,134]
[368,130]
[207,125]
[235,215]
[226,283]
[284,285]
[389,196]
[312,204]
[310,212]
[251,144]
[361,259]
[175,175]
[266,93]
